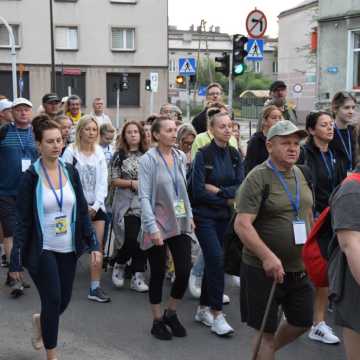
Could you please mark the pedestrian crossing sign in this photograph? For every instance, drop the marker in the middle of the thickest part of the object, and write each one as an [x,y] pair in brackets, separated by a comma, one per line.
[255,49]
[187,66]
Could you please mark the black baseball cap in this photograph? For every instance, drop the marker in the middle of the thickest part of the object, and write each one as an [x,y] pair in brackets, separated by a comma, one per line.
[52,97]
[278,84]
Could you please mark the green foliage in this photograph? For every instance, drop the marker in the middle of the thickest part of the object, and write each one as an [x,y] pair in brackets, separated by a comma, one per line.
[247,81]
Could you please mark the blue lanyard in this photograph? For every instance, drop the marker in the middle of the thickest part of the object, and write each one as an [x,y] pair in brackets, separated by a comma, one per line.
[173,178]
[330,169]
[59,201]
[348,150]
[19,137]
[295,203]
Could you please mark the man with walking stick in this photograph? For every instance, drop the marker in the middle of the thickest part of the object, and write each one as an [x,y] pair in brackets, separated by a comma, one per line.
[274,214]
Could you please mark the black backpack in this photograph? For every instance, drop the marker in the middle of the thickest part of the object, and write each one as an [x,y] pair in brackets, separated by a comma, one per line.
[209,166]
[232,243]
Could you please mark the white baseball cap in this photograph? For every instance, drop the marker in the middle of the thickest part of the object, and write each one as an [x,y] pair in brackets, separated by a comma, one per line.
[22,101]
[5,104]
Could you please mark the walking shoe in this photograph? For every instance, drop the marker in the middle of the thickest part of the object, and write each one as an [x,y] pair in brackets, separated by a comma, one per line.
[323,333]
[98,295]
[226,299]
[195,286]
[138,283]
[221,327]
[172,321]
[118,275]
[36,338]
[4,263]
[17,289]
[160,331]
[204,316]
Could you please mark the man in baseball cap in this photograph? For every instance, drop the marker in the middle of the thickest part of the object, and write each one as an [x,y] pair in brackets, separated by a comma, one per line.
[276,194]
[51,104]
[5,111]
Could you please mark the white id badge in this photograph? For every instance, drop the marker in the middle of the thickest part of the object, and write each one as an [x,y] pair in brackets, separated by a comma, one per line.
[180,210]
[299,232]
[25,164]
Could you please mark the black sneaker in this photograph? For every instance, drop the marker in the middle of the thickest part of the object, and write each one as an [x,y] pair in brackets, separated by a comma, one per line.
[98,295]
[17,290]
[174,324]
[160,331]
[4,263]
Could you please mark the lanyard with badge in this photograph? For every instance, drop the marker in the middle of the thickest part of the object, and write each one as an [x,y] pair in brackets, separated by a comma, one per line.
[299,225]
[25,162]
[179,204]
[60,221]
[348,149]
[330,168]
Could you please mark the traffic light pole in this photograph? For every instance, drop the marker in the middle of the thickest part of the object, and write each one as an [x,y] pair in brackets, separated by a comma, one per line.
[188,98]
[118,108]
[151,102]
[231,84]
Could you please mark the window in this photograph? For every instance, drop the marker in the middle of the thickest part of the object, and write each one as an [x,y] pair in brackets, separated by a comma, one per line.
[275,66]
[356,60]
[122,39]
[6,84]
[76,84]
[172,65]
[257,66]
[4,36]
[130,97]
[66,38]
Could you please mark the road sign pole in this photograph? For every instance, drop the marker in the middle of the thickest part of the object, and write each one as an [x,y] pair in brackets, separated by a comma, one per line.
[188,98]
[231,84]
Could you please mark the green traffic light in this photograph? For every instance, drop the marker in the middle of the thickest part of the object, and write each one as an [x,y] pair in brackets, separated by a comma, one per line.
[239,69]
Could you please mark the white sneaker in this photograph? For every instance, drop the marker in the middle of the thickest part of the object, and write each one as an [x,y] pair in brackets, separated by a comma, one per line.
[195,286]
[221,327]
[323,333]
[36,338]
[226,299]
[137,283]
[118,275]
[204,316]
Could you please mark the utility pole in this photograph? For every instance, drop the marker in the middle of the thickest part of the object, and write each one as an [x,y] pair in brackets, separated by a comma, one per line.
[13,56]
[53,73]
[231,82]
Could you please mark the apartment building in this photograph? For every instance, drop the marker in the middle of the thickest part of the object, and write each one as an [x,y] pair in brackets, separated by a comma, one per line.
[95,42]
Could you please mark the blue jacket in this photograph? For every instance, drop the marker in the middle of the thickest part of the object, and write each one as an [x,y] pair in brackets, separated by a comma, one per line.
[224,174]
[28,236]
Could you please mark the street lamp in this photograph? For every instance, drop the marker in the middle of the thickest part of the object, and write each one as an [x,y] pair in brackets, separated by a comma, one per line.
[53,73]
[13,56]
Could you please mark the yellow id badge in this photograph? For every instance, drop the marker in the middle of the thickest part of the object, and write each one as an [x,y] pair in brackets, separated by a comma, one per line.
[61,225]
[180,211]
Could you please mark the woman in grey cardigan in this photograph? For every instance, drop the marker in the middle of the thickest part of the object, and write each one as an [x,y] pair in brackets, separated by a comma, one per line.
[166,220]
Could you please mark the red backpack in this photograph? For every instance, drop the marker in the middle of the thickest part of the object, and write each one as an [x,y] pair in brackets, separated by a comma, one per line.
[314,253]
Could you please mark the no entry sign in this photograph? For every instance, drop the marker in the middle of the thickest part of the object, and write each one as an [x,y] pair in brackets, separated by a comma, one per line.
[256,24]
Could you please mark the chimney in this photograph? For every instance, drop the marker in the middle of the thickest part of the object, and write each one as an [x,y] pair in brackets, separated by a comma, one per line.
[217,29]
[192,27]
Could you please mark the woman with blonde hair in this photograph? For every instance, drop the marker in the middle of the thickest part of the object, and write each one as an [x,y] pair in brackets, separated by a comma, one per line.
[89,160]
[256,152]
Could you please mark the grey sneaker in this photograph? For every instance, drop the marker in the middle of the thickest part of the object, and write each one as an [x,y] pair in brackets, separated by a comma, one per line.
[98,295]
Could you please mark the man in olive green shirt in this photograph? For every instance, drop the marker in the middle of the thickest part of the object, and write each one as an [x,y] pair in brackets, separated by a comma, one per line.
[274,214]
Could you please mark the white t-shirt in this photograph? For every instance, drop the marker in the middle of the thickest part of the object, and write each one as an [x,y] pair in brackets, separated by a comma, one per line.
[57,225]
[102,119]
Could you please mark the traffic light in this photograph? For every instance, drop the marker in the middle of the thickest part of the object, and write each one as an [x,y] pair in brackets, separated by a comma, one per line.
[224,61]
[148,85]
[239,54]
[180,80]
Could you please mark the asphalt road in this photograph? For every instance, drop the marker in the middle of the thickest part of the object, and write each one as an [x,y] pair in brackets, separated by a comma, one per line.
[120,330]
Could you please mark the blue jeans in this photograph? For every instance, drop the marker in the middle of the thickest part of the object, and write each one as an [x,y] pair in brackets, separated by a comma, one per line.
[198,267]
[210,234]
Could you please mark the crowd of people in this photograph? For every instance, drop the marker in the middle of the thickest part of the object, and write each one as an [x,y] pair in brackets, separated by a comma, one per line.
[158,196]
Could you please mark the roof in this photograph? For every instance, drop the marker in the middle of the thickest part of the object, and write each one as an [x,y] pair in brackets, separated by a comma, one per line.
[255,93]
[300,7]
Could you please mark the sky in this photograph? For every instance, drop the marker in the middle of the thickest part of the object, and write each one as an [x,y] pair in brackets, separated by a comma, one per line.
[230,16]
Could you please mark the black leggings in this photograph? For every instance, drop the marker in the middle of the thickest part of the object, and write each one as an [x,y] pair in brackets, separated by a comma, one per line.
[180,248]
[54,281]
[131,248]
